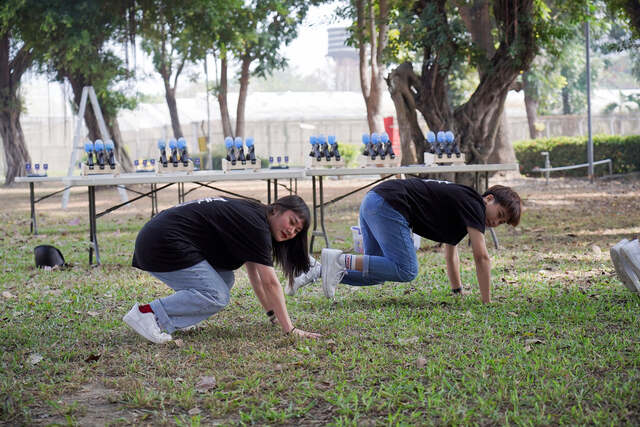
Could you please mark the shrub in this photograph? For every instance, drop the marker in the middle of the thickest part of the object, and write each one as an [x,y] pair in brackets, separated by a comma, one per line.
[624,152]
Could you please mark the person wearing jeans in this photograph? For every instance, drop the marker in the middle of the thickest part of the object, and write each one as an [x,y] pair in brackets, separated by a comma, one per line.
[195,247]
[388,239]
[437,210]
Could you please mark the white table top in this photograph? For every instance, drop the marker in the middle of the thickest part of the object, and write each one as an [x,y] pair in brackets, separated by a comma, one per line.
[39,178]
[197,176]
[412,169]
[261,174]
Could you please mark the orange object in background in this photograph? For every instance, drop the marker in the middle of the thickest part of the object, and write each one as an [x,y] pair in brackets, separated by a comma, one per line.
[394,135]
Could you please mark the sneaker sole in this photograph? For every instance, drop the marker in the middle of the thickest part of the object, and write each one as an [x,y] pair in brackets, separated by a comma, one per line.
[616,258]
[630,261]
[324,260]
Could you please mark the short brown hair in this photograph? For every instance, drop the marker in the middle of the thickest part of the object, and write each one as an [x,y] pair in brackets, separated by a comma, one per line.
[508,199]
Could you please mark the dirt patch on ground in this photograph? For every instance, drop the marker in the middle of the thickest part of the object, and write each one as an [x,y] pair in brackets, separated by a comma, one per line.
[92,405]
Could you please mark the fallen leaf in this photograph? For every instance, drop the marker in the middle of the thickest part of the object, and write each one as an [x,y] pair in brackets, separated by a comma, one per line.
[7,295]
[178,342]
[532,341]
[194,411]
[513,314]
[35,358]
[421,362]
[277,368]
[206,384]
[92,313]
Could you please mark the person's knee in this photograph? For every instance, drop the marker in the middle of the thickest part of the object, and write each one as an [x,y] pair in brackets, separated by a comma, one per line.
[407,273]
[216,300]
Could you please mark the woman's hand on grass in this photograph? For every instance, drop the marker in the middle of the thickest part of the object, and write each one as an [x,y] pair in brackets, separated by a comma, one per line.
[299,333]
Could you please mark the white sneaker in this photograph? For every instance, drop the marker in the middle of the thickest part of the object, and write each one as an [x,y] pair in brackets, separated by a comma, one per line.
[630,258]
[145,324]
[313,274]
[332,271]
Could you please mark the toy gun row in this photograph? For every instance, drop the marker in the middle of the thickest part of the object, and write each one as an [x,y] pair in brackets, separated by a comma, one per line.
[322,147]
[443,143]
[377,145]
[100,154]
[236,153]
[177,154]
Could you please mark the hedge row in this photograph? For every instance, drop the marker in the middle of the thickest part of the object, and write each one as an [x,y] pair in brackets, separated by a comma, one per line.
[624,151]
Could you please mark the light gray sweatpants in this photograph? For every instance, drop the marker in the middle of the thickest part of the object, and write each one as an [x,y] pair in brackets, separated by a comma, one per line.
[201,291]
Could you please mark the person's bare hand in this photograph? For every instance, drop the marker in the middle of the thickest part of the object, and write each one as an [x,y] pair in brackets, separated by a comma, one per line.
[304,334]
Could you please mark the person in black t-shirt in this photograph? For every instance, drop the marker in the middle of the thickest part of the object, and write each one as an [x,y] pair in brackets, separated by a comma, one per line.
[194,248]
[437,210]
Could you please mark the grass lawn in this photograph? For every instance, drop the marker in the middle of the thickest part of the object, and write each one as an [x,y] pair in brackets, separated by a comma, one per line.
[559,345]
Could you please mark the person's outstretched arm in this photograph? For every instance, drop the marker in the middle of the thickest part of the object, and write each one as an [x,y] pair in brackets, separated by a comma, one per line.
[267,288]
[483,263]
[453,265]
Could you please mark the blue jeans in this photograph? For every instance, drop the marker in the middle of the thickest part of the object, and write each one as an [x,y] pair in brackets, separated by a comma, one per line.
[389,254]
[201,291]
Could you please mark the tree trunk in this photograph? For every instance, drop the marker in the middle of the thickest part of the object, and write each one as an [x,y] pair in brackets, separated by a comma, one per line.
[371,80]
[242,95]
[531,106]
[503,151]
[403,83]
[15,149]
[170,96]
[566,104]
[116,135]
[11,71]
[222,98]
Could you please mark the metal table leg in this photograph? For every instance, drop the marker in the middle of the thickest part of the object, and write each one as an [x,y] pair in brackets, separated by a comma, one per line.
[180,192]
[32,200]
[275,190]
[93,232]
[268,191]
[315,232]
[154,200]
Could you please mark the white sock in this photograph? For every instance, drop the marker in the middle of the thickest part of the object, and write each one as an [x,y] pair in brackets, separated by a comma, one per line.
[347,261]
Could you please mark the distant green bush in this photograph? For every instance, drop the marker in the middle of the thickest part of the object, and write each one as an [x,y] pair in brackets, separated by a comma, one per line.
[624,151]
[349,152]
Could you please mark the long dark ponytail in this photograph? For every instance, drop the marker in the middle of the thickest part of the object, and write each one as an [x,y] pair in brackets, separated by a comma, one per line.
[292,254]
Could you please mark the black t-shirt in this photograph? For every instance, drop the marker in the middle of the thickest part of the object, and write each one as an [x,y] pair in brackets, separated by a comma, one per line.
[225,232]
[436,210]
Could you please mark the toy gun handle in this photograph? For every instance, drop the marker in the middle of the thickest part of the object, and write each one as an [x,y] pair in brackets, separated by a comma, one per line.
[240,150]
[99,148]
[251,151]
[111,158]
[88,147]
[182,148]
[173,157]
[334,147]
[231,151]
